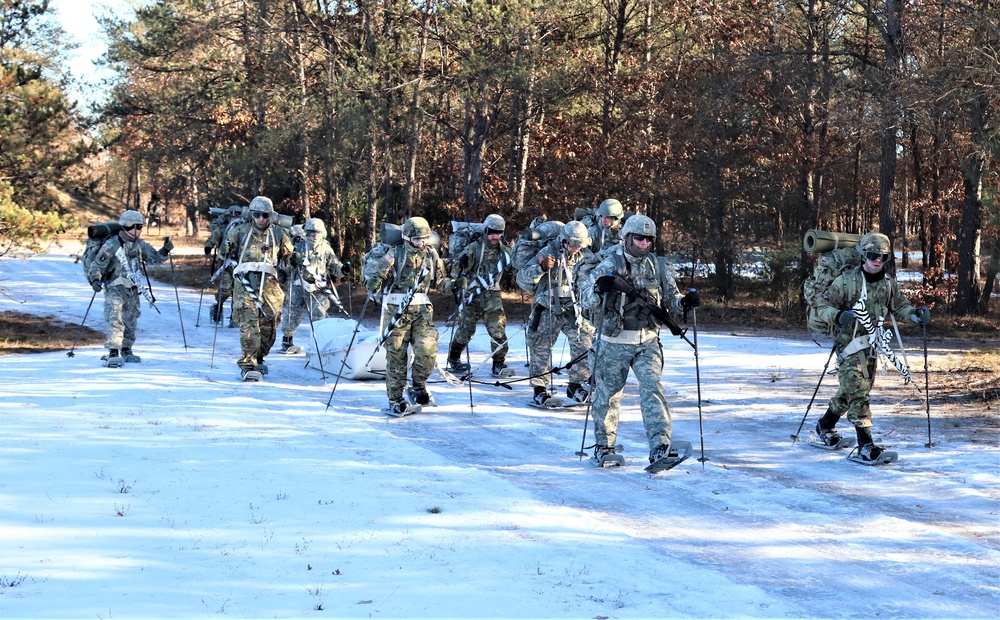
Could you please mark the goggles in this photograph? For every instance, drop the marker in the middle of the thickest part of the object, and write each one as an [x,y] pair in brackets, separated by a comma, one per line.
[260,215]
[874,256]
[493,231]
[646,238]
[132,227]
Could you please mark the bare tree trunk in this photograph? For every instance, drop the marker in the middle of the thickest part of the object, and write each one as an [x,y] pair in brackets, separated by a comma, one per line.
[414,139]
[970,284]
[892,39]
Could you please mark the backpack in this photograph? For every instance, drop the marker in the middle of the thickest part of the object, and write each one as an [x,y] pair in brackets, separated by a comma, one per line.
[97,234]
[532,239]
[462,234]
[587,216]
[830,265]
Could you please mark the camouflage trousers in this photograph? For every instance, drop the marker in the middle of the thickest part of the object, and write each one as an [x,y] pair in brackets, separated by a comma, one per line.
[225,286]
[856,374]
[496,327]
[541,341]
[258,326]
[301,302]
[121,314]
[415,328]
[612,363]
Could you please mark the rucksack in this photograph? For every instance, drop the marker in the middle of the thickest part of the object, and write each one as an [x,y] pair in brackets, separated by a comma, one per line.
[532,239]
[462,234]
[97,234]
[829,266]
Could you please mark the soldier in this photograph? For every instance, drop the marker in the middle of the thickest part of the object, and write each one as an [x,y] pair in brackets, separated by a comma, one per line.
[554,310]
[116,269]
[220,226]
[484,261]
[629,337]
[257,246]
[856,368]
[413,267]
[309,284]
[606,233]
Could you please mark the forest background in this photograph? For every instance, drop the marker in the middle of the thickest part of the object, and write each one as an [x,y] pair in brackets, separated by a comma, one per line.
[736,126]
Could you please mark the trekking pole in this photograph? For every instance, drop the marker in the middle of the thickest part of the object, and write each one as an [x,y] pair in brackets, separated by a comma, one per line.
[527,353]
[201,298]
[927,390]
[177,295]
[343,363]
[215,337]
[80,329]
[795,437]
[312,326]
[697,375]
[597,365]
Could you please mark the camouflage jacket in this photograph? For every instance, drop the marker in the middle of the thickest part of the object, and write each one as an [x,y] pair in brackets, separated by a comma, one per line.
[108,266]
[602,238]
[256,250]
[884,297]
[319,264]
[400,275]
[561,279]
[480,262]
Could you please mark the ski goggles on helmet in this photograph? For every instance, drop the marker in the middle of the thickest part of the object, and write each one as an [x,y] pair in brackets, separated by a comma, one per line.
[874,256]
[132,227]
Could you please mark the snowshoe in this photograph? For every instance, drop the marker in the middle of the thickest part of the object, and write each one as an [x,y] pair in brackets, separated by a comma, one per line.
[667,457]
[502,370]
[261,368]
[578,393]
[251,374]
[829,439]
[113,359]
[130,358]
[457,367]
[216,313]
[870,454]
[606,456]
[400,408]
[418,395]
[544,400]
[289,348]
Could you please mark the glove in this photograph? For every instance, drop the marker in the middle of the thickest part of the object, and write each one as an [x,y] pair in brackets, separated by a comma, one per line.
[691,300]
[547,262]
[921,316]
[168,245]
[294,259]
[844,317]
[605,284]
[460,284]
[346,270]
[97,285]
[208,250]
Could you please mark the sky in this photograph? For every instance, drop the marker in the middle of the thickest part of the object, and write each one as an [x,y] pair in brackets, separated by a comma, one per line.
[171,489]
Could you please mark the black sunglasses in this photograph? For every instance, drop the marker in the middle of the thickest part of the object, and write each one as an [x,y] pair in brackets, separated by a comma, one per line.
[133,227]
[261,216]
[874,256]
[646,238]
[493,231]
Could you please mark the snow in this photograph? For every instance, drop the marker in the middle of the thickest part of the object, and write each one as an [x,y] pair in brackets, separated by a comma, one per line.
[171,489]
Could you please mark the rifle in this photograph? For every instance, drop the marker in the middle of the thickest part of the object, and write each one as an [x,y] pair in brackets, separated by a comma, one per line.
[403,307]
[481,283]
[624,285]
[133,275]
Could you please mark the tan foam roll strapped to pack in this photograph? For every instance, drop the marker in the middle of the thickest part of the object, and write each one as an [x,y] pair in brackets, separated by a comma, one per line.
[819,241]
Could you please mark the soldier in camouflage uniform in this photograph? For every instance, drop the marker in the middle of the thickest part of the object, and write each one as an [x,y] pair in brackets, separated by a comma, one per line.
[607,231]
[309,283]
[856,369]
[630,336]
[220,226]
[257,246]
[484,261]
[397,274]
[551,274]
[119,269]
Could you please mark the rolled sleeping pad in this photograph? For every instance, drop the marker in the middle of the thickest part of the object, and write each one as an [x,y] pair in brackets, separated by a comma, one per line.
[390,234]
[817,241]
[100,231]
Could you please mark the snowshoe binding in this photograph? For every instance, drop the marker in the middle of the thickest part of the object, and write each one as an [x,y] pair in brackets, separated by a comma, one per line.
[457,367]
[607,456]
[113,359]
[501,370]
[130,358]
[251,374]
[288,347]
[829,439]
[216,313]
[668,456]
[577,393]
[543,400]
[399,408]
[870,454]
[418,395]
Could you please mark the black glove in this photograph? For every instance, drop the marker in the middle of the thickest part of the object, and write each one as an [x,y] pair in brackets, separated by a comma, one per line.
[605,284]
[346,270]
[844,317]
[208,250]
[294,259]
[167,246]
[921,316]
[460,284]
[97,285]
[691,300]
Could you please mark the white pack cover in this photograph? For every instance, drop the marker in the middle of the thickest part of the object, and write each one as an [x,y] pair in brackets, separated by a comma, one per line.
[334,336]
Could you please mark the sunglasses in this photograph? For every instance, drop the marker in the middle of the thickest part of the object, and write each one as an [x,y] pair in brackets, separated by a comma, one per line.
[492,231]
[646,238]
[874,256]
[262,216]
[133,227]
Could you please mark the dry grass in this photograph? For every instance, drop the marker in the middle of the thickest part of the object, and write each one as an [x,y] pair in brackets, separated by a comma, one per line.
[26,333]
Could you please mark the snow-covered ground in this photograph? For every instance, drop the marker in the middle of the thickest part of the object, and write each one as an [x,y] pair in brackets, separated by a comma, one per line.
[171,489]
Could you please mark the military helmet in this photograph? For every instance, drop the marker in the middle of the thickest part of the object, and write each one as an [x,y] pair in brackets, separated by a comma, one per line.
[494,222]
[261,204]
[611,208]
[131,218]
[575,234]
[873,242]
[639,225]
[416,229]
[315,225]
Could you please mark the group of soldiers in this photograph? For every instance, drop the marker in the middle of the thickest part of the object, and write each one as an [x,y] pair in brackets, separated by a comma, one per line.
[601,287]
